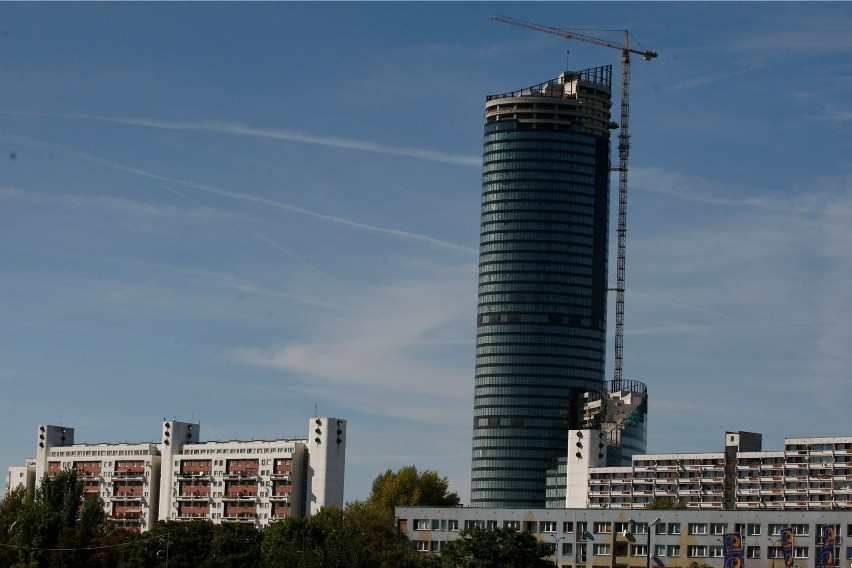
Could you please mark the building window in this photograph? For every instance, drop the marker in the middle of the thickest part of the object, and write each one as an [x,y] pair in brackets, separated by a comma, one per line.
[718,528]
[753,529]
[717,552]
[422,545]
[581,553]
[640,528]
[800,552]
[775,529]
[601,550]
[568,527]
[638,550]
[453,525]
[660,550]
[622,527]
[696,551]
[801,530]
[491,525]
[512,525]
[673,550]
[674,528]
[547,526]
[752,552]
[567,548]
[422,524]
[697,528]
[478,524]
[774,552]
[602,528]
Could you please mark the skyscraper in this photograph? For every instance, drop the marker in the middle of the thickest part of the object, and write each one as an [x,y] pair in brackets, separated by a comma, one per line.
[541,318]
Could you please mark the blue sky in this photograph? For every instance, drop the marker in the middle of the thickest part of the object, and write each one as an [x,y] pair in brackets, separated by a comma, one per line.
[239,212]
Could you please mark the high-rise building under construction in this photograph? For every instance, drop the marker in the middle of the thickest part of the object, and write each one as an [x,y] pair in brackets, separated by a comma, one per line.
[541,319]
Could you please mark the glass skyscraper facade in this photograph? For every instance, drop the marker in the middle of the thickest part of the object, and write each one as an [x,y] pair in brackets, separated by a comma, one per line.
[541,318]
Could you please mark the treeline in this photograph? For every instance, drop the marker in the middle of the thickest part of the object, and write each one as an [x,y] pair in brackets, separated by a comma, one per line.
[51,529]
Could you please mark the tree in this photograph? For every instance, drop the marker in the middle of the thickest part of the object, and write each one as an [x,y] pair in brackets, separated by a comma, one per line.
[662,504]
[359,536]
[55,527]
[496,548]
[408,487]
[11,511]
[234,545]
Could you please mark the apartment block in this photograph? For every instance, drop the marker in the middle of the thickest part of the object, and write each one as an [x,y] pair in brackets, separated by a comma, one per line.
[809,474]
[182,478]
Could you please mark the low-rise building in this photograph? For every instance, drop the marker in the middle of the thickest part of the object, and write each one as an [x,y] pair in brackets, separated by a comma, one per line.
[619,538]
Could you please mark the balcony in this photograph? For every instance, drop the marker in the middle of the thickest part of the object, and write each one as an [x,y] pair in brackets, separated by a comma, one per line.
[195,495]
[241,494]
[129,474]
[240,516]
[241,474]
[189,516]
[194,474]
[127,496]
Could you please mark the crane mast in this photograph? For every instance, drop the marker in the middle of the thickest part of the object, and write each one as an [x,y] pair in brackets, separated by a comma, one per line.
[623,155]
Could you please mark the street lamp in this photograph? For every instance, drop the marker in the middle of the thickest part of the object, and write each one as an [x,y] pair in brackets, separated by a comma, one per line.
[651,525]
[772,550]
[556,548]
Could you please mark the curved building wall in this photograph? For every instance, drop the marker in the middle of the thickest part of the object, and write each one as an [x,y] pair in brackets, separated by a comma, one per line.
[541,319]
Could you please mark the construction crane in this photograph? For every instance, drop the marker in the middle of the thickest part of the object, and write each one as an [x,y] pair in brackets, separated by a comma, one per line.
[623,154]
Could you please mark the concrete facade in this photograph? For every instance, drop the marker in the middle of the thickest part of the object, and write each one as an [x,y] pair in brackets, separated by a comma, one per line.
[622,539]
[182,478]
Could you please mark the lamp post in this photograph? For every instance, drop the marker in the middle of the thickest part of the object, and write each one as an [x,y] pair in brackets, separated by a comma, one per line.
[651,525]
[556,548]
[774,545]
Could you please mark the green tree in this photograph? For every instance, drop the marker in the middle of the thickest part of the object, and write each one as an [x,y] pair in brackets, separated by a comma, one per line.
[359,536]
[408,487]
[11,511]
[56,527]
[234,545]
[498,548]
[662,504]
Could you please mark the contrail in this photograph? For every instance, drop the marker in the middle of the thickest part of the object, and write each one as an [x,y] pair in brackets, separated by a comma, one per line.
[246,197]
[238,129]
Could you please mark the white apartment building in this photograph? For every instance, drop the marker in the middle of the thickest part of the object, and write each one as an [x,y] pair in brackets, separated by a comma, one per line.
[182,478]
[809,474]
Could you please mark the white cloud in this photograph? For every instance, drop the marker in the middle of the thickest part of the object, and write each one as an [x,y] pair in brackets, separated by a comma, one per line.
[251,198]
[237,129]
[390,345]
